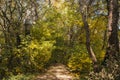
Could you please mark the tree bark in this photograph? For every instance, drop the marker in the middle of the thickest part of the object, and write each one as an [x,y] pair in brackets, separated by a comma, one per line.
[88,45]
[84,8]
[113,41]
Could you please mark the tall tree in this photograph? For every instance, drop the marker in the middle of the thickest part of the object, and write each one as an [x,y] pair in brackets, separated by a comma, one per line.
[84,8]
[113,41]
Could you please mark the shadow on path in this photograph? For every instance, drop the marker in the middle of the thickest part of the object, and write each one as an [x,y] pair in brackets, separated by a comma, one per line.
[56,72]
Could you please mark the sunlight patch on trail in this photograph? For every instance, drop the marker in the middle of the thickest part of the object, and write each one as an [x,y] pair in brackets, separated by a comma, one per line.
[57,72]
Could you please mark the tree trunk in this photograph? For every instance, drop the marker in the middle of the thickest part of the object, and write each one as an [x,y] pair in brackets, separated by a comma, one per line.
[113,41]
[84,8]
[88,45]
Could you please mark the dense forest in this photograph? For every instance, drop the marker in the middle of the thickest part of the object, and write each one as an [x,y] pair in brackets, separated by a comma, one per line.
[83,35]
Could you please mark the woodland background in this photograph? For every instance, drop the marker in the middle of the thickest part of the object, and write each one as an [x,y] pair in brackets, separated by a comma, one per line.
[81,34]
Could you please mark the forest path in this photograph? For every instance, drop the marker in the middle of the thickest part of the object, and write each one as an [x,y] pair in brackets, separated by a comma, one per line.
[57,72]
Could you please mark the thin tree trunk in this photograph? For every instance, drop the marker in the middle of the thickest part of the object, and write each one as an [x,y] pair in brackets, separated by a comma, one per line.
[88,45]
[84,8]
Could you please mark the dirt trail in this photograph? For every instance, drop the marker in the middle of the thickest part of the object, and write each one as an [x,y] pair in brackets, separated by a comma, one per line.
[57,72]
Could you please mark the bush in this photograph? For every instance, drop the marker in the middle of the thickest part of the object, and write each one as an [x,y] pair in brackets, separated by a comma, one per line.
[20,77]
[36,55]
[79,63]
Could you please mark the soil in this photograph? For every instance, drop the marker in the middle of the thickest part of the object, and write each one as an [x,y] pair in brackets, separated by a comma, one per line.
[57,72]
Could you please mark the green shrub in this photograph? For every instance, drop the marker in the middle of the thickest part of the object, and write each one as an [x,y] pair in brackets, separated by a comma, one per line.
[79,62]
[36,55]
[20,77]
